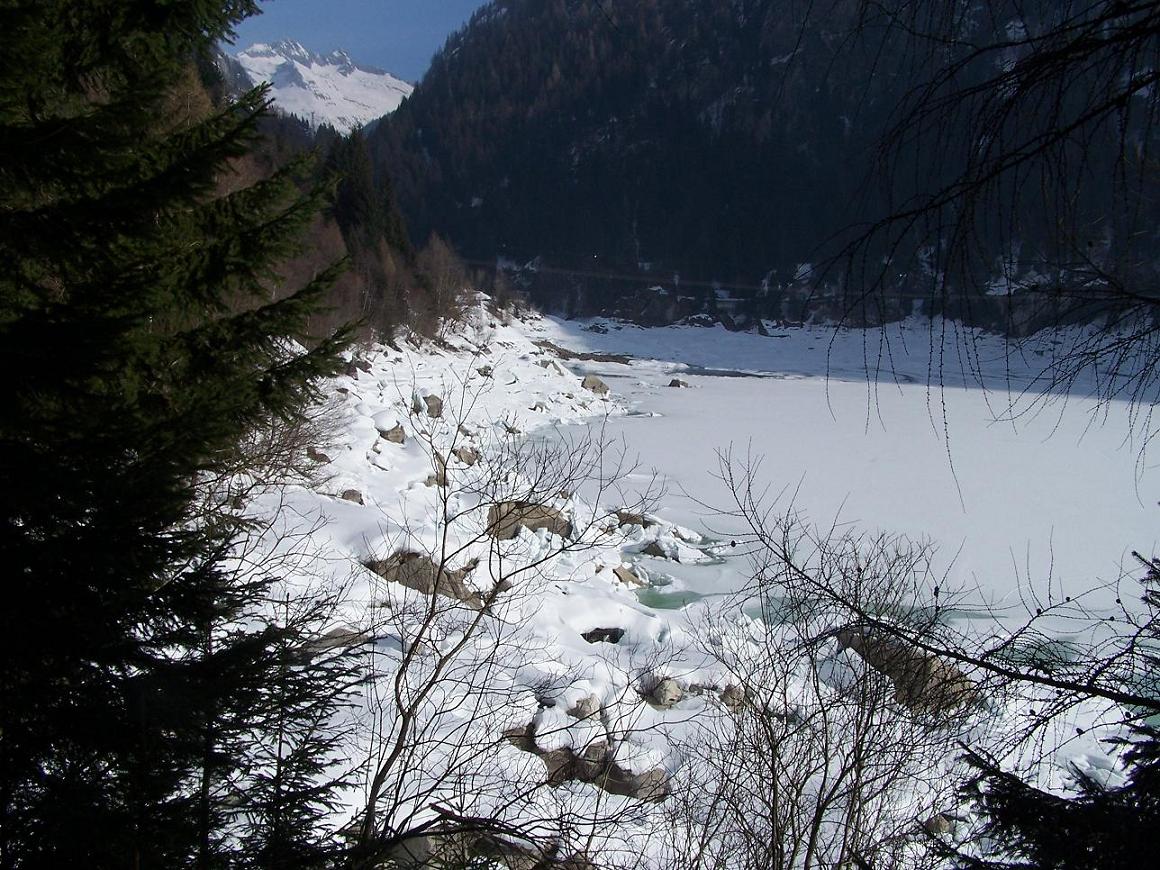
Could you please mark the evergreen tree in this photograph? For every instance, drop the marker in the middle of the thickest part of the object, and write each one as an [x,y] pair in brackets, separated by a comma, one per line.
[141,343]
[1099,826]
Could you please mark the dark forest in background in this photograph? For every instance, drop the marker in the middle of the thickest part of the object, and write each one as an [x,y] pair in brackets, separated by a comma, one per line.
[715,148]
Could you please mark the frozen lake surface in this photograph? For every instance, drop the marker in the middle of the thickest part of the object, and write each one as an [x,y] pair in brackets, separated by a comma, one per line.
[1057,496]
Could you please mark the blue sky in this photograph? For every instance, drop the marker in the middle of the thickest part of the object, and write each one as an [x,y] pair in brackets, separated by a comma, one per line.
[397,35]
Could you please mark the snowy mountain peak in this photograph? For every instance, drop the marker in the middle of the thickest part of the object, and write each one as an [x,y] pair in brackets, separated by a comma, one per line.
[323,88]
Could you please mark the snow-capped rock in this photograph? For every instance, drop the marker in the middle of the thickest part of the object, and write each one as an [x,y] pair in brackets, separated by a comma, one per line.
[323,89]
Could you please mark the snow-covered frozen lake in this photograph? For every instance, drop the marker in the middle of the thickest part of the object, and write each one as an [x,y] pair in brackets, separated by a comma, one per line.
[1060,496]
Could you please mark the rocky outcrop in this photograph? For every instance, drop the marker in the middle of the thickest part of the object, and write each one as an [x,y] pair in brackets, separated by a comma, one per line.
[505,519]
[922,681]
[594,764]
[595,385]
[417,571]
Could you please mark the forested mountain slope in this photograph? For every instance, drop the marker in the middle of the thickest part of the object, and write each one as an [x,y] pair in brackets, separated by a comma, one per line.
[724,142]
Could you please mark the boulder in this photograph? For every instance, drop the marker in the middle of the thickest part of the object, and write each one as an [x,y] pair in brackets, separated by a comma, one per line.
[585,708]
[485,371]
[603,635]
[922,681]
[462,844]
[362,365]
[666,692]
[655,549]
[626,576]
[395,434]
[628,518]
[505,519]
[594,764]
[467,455]
[434,406]
[733,697]
[315,455]
[439,476]
[677,382]
[940,823]
[336,638]
[434,849]
[352,495]
[595,385]
[417,571]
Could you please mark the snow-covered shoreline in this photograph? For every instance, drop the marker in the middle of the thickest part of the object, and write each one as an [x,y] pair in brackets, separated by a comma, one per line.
[583,638]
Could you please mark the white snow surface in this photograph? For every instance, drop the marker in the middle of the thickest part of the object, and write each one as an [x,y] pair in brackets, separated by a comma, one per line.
[1020,505]
[323,89]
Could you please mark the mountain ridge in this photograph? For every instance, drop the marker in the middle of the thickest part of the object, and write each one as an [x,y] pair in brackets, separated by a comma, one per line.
[322,88]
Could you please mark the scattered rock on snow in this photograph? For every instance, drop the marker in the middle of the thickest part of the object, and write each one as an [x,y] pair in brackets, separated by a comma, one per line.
[733,697]
[677,382]
[655,549]
[626,576]
[417,571]
[434,406]
[603,635]
[352,495]
[395,434]
[485,371]
[467,455]
[585,708]
[594,765]
[439,476]
[456,847]
[628,518]
[922,681]
[595,385]
[315,455]
[505,519]
[666,692]
[939,824]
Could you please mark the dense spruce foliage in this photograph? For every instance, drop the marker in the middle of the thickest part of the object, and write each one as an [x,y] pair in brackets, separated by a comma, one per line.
[155,708]
[721,142]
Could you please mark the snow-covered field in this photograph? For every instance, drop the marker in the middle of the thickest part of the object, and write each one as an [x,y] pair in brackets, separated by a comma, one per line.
[497,673]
